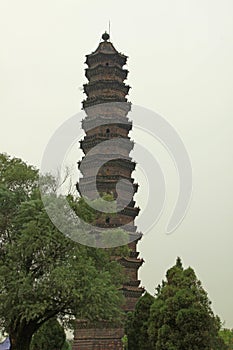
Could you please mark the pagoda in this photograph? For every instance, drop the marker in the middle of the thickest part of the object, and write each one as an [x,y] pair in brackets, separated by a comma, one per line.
[106,108]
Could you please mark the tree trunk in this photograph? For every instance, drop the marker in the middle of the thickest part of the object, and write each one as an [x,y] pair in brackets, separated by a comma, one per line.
[21,340]
[20,344]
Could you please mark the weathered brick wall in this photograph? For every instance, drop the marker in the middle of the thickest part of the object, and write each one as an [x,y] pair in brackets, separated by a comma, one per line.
[117,220]
[106,110]
[131,273]
[110,169]
[106,92]
[106,62]
[111,74]
[98,338]
[113,129]
[130,304]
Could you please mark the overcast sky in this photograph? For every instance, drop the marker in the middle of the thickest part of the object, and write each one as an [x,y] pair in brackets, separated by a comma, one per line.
[180,63]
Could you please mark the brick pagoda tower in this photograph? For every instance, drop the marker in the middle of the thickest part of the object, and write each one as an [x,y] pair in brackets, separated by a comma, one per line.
[106,108]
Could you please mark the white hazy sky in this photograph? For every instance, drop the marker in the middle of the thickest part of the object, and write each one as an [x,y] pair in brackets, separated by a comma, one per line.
[180,62]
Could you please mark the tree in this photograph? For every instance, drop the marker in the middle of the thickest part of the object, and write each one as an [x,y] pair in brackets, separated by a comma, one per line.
[51,335]
[43,274]
[227,336]
[181,317]
[67,345]
[137,324]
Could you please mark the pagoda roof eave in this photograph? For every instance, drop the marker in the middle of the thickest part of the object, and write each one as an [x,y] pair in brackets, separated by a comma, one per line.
[137,261]
[106,48]
[100,65]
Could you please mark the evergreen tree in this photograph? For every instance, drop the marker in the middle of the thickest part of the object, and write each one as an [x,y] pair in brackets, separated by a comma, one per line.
[181,317]
[227,336]
[137,324]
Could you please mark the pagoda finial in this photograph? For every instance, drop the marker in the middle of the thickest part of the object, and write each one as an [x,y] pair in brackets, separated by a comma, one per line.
[105,36]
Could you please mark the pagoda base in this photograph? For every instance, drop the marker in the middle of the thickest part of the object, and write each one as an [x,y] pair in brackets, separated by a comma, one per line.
[101,337]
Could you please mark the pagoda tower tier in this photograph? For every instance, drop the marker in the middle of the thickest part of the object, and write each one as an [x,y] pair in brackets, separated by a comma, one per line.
[121,166]
[98,73]
[124,144]
[110,110]
[107,168]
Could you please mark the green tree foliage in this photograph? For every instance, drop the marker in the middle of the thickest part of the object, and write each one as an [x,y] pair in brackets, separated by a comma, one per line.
[137,324]
[227,336]
[51,335]
[125,342]
[181,317]
[43,274]
[67,345]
